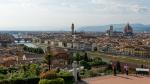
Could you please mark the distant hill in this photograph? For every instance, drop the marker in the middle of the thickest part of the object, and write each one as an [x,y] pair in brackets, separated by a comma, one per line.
[117,27]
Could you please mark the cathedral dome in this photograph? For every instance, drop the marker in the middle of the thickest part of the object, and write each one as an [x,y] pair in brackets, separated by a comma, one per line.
[128,29]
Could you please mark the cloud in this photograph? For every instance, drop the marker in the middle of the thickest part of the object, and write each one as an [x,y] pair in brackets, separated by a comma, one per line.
[139,9]
[121,6]
[54,12]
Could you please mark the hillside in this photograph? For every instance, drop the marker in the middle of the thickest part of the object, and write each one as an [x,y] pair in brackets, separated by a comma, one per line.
[117,27]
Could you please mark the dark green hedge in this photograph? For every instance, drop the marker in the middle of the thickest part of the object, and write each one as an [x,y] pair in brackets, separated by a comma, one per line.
[21,81]
[52,81]
[67,80]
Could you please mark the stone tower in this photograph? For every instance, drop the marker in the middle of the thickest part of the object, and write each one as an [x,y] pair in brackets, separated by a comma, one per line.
[72,28]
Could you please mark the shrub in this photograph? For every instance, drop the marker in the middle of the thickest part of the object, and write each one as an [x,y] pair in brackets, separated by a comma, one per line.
[32,80]
[67,79]
[3,70]
[33,50]
[97,62]
[48,75]
[64,73]
[85,64]
[60,81]
[91,73]
[21,81]
[2,76]
[67,76]
[53,81]
[44,81]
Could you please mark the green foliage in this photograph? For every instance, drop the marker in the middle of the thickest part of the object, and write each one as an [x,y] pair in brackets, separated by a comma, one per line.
[11,69]
[3,70]
[64,73]
[85,64]
[21,81]
[35,69]
[48,59]
[25,71]
[67,79]
[108,72]
[97,62]
[48,75]
[118,66]
[33,50]
[26,74]
[85,57]
[92,73]
[53,81]
[88,73]
[2,76]
[67,76]
[78,57]
[44,81]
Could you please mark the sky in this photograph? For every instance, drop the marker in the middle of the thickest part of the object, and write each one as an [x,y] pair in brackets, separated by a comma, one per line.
[21,14]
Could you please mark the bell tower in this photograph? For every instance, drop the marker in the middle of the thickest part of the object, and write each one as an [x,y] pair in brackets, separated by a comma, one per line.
[72,28]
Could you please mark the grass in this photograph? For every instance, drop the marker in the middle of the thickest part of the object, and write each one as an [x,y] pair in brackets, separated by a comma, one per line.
[120,58]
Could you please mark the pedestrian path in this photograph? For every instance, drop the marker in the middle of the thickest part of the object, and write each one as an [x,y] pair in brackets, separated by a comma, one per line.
[119,79]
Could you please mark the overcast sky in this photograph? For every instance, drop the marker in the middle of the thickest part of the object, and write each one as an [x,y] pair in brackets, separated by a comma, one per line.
[61,13]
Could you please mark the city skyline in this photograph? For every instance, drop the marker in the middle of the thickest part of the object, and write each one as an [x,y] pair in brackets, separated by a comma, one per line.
[61,13]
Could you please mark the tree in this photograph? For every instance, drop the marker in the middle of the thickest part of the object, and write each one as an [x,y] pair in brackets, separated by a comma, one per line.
[86,57]
[85,64]
[118,66]
[33,50]
[35,69]
[48,59]
[97,62]
[77,57]
[25,48]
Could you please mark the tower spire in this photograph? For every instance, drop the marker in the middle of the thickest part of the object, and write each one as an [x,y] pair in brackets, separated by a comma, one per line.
[72,28]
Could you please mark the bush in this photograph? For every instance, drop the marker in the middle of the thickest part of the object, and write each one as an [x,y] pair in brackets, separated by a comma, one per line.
[2,76]
[32,80]
[67,79]
[92,73]
[64,73]
[53,81]
[97,62]
[3,70]
[85,64]
[67,76]
[33,50]
[48,75]
[88,73]
[21,81]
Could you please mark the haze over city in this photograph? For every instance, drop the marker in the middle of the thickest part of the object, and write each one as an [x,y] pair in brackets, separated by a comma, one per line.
[59,14]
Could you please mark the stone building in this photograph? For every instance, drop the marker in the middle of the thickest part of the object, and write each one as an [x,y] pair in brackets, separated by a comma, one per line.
[128,30]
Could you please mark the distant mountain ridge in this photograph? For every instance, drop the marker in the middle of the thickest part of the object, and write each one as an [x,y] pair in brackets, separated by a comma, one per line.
[117,27]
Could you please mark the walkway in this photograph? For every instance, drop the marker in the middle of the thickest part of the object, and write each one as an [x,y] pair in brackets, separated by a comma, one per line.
[120,79]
